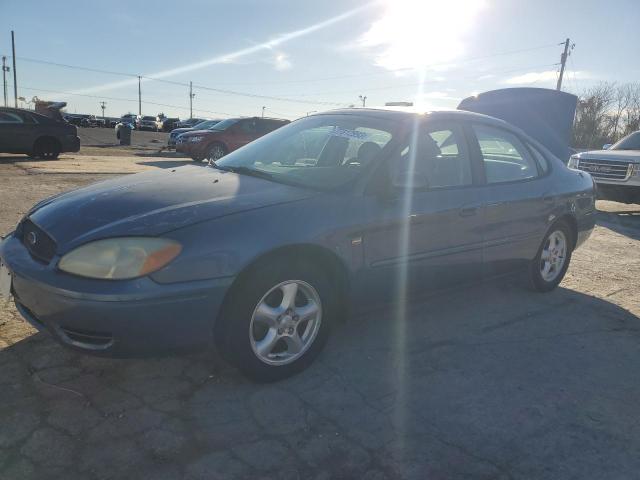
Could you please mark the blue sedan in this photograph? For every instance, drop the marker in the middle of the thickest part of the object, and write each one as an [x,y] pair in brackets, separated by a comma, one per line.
[262,253]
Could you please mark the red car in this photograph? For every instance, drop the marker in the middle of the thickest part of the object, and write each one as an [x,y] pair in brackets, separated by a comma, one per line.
[225,137]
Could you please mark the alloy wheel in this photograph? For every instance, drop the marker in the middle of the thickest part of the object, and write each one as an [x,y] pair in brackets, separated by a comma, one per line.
[553,256]
[285,322]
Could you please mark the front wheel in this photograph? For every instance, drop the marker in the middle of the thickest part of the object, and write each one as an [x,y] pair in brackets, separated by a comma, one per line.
[216,152]
[550,265]
[277,322]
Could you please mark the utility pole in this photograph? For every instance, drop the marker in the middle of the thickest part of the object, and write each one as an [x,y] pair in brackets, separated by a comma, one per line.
[263,109]
[563,62]
[5,69]
[103,105]
[364,100]
[15,77]
[191,95]
[139,97]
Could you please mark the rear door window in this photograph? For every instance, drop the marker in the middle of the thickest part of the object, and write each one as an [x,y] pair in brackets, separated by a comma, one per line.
[441,159]
[504,156]
[542,160]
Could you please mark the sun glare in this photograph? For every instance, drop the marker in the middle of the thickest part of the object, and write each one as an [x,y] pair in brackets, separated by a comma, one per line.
[421,33]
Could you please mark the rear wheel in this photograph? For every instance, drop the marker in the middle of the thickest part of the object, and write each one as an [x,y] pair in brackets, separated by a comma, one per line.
[277,321]
[46,148]
[550,265]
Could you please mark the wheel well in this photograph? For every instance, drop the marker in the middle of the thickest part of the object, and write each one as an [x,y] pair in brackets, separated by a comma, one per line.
[572,223]
[321,257]
[45,138]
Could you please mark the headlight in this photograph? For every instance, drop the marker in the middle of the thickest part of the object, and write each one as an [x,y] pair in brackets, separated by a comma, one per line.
[120,258]
[195,139]
[574,161]
[635,170]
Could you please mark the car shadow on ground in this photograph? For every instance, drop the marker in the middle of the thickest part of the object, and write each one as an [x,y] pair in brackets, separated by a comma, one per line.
[488,381]
[624,222]
[8,159]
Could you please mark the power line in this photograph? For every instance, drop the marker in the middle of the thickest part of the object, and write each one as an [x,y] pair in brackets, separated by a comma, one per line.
[120,99]
[308,80]
[252,95]
[415,84]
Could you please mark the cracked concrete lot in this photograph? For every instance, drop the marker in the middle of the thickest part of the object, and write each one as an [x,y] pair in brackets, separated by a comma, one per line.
[484,382]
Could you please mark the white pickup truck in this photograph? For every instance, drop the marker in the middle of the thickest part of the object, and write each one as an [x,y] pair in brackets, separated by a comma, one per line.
[615,169]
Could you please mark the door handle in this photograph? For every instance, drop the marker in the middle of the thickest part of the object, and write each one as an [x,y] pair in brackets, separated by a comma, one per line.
[468,211]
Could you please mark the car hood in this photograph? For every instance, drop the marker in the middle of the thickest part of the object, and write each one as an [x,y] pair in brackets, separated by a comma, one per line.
[177,131]
[194,133]
[153,203]
[621,155]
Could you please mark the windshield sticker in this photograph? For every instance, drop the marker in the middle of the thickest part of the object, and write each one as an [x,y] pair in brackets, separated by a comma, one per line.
[346,133]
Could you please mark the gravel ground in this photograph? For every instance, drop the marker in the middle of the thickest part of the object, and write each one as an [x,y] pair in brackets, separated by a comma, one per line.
[490,382]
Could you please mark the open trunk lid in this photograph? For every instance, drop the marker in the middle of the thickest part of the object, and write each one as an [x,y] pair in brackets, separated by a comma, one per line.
[546,115]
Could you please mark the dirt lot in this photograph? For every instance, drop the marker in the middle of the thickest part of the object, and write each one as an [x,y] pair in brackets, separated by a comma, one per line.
[487,382]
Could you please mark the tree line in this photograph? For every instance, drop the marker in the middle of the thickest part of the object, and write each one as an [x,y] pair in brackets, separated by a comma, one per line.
[605,113]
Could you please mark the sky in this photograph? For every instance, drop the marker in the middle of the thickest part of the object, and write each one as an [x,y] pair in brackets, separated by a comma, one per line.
[293,57]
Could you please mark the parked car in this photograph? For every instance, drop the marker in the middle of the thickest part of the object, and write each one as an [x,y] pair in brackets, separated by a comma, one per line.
[265,251]
[23,131]
[145,122]
[226,136]
[175,133]
[74,119]
[190,122]
[129,118]
[166,124]
[615,168]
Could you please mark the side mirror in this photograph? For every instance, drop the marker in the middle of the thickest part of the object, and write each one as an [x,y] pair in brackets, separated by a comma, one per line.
[411,180]
[606,146]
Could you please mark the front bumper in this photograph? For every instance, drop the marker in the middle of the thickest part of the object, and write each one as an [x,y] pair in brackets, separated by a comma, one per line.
[130,318]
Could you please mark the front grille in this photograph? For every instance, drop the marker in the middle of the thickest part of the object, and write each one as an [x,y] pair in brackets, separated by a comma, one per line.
[39,244]
[606,170]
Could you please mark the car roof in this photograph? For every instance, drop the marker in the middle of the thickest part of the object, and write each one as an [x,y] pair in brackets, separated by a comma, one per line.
[24,110]
[405,114]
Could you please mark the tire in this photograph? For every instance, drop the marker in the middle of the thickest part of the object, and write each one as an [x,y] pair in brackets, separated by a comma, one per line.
[216,152]
[46,148]
[548,268]
[289,342]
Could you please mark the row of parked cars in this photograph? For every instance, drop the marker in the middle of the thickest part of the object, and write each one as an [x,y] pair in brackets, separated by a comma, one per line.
[159,123]
[213,139]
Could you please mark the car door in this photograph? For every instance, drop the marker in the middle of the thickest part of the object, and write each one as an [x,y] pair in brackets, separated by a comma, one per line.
[518,198]
[242,133]
[15,135]
[428,231]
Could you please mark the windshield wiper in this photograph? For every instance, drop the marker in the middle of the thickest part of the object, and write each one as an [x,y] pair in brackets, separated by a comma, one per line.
[246,171]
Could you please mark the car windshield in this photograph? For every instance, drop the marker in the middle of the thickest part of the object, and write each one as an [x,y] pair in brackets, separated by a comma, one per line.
[324,151]
[149,118]
[224,124]
[206,125]
[630,142]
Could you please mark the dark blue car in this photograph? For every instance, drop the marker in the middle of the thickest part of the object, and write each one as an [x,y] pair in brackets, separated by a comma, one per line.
[262,253]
